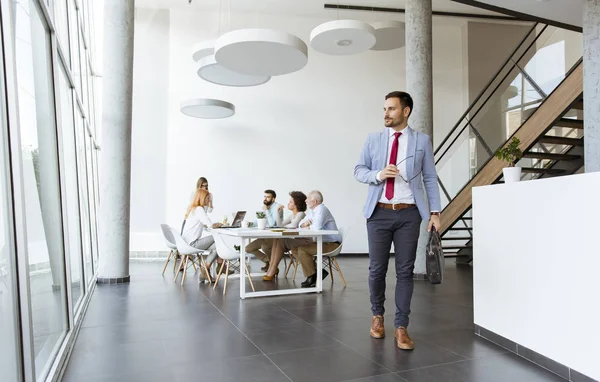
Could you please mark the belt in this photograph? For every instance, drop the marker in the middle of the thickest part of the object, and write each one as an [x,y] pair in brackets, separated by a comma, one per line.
[399,206]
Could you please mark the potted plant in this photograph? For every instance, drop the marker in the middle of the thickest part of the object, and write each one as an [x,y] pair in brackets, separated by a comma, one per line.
[261,220]
[510,154]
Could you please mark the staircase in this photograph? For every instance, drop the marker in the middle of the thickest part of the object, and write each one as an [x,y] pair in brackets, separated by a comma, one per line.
[551,135]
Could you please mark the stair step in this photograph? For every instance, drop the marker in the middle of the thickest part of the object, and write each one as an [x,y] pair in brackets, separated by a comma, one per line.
[456,255]
[457,238]
[572,123]
[460,229]
[549,171]
[550,156]
[561,140]
[456,247]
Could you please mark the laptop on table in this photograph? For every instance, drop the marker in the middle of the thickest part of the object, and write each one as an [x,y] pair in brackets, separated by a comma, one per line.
[237,220]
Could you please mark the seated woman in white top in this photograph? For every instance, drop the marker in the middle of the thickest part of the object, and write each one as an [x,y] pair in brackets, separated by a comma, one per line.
[297,205]
[193,226]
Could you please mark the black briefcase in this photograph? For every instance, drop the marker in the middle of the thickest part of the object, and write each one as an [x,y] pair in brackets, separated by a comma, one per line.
[435,258]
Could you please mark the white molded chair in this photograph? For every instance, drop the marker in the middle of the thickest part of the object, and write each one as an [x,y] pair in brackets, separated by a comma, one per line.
[170,242]
[329,259]
[189,253]
[228,254]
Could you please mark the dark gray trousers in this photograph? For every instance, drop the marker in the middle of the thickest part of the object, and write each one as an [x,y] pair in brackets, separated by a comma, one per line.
[401,227]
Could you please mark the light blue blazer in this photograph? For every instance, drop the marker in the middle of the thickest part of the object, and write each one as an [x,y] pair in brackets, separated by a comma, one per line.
[373,159]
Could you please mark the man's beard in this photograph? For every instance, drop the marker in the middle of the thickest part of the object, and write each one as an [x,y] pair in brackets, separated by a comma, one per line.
[267,203]
[393,123]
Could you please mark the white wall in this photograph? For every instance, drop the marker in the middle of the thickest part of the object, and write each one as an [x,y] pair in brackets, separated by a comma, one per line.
[300,131]
[536,261]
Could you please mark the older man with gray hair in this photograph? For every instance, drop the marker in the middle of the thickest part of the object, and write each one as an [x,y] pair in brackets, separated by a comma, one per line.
[318,218]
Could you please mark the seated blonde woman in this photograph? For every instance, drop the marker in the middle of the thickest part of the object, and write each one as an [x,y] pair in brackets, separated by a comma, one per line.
[297,205]
[193,225]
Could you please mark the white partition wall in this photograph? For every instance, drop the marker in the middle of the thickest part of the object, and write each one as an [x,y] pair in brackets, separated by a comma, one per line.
[536,267]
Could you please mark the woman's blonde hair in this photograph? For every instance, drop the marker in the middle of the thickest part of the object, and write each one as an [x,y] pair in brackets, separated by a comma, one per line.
[199,200]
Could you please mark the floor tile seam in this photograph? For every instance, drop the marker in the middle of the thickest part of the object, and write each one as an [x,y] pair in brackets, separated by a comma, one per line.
[252,342]
[175,364]
[376,375]
[300,349]
[443,348]
[343,344]
[432,366]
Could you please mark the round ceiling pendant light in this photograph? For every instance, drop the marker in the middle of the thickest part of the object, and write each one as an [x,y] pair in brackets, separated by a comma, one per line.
[389,35]
[210,70]
[203,49]
[207,108]
[341,37]
[261,52]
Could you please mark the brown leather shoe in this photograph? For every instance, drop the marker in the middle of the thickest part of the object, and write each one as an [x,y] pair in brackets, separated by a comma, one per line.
[377,327]
[403,341]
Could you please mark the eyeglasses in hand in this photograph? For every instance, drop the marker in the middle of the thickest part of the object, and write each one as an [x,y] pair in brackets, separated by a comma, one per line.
[399,172]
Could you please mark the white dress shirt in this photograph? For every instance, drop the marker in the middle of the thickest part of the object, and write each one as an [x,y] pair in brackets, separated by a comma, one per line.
[402,192]
[322,219]
[194,224]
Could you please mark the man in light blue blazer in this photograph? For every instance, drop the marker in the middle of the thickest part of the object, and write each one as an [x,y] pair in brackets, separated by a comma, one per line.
[398,165]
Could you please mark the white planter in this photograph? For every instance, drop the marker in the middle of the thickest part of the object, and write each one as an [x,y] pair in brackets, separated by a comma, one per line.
[512,174]
[262,223]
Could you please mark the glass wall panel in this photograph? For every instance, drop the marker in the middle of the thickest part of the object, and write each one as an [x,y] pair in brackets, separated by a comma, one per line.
[9,354]
[74,35]
[71,196]
[81,134]
[61,23]
[89,149]
[41,186]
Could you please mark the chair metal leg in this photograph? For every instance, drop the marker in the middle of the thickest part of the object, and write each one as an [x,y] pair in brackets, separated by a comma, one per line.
[249,278]
[295,269]
[219,275]
[179,269]
[167,262]
[226,278]
[330,268]
[175,256]
[184,270]
[289,266]
[206,270]
[337,266]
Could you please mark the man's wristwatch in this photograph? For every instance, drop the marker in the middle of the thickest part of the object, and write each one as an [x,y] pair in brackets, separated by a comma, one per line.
[435,213]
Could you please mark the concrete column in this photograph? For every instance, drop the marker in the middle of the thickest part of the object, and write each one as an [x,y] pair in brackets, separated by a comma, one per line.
[419,84]
[591,79]
[115,153]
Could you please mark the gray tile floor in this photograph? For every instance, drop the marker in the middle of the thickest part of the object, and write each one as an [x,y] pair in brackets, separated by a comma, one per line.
[154,330]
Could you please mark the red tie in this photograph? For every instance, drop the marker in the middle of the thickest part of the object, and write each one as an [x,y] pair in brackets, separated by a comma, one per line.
[389,182]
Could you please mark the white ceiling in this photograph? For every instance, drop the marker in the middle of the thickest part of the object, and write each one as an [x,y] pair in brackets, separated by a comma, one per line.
[565,11]
[310,8]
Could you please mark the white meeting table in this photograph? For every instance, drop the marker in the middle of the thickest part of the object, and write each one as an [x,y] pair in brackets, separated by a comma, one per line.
[245,234]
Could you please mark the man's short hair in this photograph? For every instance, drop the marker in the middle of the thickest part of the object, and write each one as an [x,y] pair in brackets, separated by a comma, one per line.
[317,194]
[273,194]
[405,99]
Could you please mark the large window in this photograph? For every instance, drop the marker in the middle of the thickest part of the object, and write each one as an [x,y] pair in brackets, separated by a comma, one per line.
[9,357]
[42,199]
[48,182]
[86,235]
[71,196]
